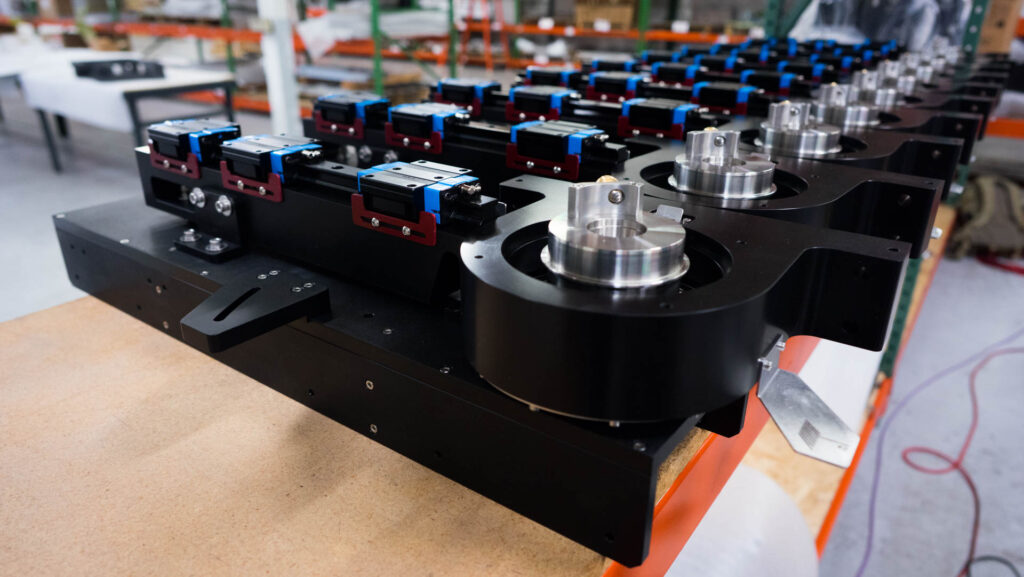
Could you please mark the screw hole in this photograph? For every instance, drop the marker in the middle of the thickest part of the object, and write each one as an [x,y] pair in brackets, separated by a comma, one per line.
[310,392]
[479,256]
[368,315]
[893,249]
[138,307]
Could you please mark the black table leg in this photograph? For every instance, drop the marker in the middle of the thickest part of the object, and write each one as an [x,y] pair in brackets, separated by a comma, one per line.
[229,108]
[133,110]
[62,125]
[48,134]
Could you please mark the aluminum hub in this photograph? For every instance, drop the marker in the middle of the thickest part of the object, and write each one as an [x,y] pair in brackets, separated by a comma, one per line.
[607,238]
[790,129]
[837,105]
[713,166]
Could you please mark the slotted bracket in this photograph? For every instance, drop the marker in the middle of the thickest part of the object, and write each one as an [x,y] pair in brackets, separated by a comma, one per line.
[250,307]
[809,425]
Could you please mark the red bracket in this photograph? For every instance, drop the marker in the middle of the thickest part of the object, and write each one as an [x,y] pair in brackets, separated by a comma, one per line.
[512,114]
[593,94]
[739,109]
[566,170]
[271,190]
[323,126]
[626,130]
[474,108]
[190,166]
[423,232]
[430,145]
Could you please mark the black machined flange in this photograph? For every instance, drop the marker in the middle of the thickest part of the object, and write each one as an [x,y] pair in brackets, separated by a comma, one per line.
[682,348]
[842,197]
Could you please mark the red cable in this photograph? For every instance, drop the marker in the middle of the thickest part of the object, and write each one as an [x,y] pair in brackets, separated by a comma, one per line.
[957,463]
[994,261]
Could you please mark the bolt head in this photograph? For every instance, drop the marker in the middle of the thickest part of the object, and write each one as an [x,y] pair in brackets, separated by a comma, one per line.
[216,244]
[261,276]
[197,198]
[262,190]
[240,185]
[369,384]
[529,164]
[373,429]
[542,118]
[334,128]
[307,285]
[296,289]
[522,116]
[636,132]
[351,130]
[405,142]
[615,196]
[406,231]
[375,222]
[167,163]
[223,205]
[556,169]
[426,146]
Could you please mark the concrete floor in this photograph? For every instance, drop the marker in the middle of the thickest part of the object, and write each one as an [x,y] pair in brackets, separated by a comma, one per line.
[923,523]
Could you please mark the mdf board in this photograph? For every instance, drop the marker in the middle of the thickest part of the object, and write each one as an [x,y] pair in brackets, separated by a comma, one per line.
[123,451]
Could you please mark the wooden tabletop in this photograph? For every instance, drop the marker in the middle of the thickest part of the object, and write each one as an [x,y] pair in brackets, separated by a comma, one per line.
[123,451]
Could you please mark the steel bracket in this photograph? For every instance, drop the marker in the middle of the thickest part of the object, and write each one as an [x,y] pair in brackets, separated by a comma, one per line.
[808,424]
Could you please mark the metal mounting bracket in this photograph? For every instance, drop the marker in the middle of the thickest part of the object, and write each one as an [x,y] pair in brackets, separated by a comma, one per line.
[809,425]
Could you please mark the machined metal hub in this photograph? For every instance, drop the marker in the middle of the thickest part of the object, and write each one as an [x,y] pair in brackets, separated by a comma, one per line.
[713,166]
[837,105]
[790,129]
[870,89]
[607,239]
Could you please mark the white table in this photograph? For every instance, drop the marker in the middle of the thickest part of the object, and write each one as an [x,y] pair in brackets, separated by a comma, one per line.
[55,88]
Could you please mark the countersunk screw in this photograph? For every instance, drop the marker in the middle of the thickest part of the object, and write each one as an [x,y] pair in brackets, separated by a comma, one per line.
[197,198]
[369,384]
[375,222]
[373,428]
[615,196]
[223,205]
[406,231]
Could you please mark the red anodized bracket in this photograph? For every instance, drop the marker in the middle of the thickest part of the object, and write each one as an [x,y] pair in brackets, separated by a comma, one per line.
[474,108]
[512,114]
[423,232]
[593,94]
[271,190]
[191,164]
[324,126]
[567,170]
[626,130]
[430,145]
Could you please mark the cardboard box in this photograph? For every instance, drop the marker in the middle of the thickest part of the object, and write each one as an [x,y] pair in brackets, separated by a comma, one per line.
[999,27]
[617,14]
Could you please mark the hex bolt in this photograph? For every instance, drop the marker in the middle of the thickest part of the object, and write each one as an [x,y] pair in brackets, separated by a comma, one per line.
[406,231]
[190,235]
[223,205]
[216,244]
[197,198]
[375,222]
[615,196]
